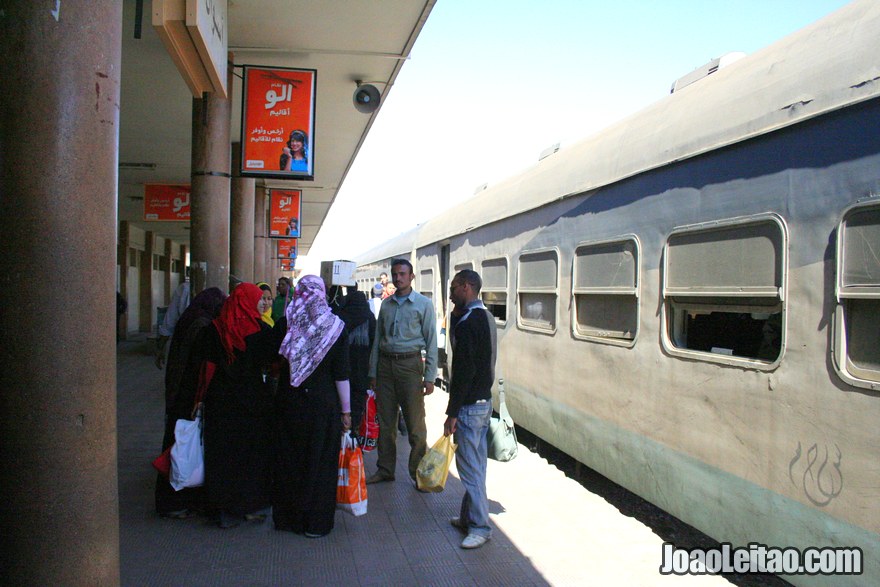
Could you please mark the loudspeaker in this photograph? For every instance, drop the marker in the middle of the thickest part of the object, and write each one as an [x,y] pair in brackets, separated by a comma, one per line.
[366,98]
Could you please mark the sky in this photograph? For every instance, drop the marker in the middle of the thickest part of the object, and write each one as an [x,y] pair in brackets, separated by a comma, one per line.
[490,84]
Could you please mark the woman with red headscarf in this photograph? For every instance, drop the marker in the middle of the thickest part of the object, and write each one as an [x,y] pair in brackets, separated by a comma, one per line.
[313,407]
[236,348]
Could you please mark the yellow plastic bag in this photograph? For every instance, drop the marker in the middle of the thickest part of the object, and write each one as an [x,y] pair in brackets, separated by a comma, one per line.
[434,466]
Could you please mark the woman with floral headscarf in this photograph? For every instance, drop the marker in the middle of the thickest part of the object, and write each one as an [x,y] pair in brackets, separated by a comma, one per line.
[236,349]
[313,408]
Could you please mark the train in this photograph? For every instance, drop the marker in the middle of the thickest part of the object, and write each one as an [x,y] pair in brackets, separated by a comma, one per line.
[688,302]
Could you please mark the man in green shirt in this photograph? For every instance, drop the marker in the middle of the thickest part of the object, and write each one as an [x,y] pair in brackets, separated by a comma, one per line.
[282,299]
[406,326]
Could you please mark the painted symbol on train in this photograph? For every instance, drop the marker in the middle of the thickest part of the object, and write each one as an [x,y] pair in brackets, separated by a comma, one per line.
[818,473]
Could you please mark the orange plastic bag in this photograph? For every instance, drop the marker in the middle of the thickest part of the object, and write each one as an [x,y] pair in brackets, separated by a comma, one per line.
[351,485]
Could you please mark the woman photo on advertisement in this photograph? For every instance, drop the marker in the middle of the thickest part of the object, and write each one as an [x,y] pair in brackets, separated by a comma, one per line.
[292,227]
[295,155]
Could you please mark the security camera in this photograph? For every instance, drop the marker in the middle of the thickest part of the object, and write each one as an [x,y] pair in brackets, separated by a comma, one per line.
[366,98]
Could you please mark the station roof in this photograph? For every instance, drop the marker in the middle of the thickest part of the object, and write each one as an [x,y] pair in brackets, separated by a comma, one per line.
[344,41]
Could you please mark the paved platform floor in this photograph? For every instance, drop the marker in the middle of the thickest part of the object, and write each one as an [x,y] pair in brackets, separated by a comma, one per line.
[548,529]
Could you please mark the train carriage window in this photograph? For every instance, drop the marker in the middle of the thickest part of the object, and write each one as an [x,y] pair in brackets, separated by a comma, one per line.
[857,337]
[605,288]
[494,290]
[426,283]
[724,289]
[537,283]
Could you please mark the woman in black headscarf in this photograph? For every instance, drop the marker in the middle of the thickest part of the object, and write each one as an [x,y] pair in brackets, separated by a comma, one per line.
[179,404]
[360,330]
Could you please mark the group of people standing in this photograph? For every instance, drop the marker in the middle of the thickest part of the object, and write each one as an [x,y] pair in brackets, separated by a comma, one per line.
[267,444]
[281,381]
[407,328]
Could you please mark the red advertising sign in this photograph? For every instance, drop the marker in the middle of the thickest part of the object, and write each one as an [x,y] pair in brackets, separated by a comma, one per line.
[287,248]
[277,122]
[288,264]
[166,202]
[284,213]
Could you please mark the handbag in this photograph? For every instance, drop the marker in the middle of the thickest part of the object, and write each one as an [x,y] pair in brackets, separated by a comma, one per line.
[351,484]
[188,454]
[434,467]
[368,433]
[162,463]
[502,434]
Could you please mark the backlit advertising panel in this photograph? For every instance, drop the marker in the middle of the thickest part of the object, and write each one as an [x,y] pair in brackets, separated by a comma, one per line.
[284,213]
[164,202]
[288,264]
[278,118]
[287,248]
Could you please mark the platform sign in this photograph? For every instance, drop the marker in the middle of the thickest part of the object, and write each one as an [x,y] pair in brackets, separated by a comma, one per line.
[287,248]
[277,123]
[284,213]
[163,202]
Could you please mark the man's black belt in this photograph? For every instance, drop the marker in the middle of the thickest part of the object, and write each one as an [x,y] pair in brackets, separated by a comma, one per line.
[400,356]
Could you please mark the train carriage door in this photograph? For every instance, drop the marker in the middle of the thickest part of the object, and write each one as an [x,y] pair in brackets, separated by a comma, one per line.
[443,358]
[444,275]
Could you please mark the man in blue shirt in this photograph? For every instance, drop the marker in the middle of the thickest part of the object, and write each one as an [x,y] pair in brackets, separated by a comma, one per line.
[406,326]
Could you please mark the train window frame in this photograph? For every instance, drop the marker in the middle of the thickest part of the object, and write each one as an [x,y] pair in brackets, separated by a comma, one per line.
[525,323]
[743,299]
[629,292]
[430,272]
[501,322]
[848,297]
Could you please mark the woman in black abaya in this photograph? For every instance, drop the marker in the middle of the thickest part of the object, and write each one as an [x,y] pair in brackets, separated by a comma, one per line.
[313,411]
[180,384]
[236,350]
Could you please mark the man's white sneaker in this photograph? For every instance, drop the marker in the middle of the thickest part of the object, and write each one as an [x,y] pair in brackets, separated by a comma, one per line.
[474,541]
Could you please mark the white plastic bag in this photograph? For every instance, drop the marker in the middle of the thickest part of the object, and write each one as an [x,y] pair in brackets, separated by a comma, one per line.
[188,454]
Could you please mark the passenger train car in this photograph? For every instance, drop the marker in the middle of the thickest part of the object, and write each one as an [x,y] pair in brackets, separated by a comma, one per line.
[689,301]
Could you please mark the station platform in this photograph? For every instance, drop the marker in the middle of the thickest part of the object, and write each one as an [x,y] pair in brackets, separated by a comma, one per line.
[548,529]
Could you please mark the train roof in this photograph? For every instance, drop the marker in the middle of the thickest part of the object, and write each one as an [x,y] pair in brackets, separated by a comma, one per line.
[401,244]
[823,67]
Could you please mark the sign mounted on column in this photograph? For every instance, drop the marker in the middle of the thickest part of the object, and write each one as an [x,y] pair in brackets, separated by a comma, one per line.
[285,213]
[277,123]
[287,248]
[194,33]
[167,202]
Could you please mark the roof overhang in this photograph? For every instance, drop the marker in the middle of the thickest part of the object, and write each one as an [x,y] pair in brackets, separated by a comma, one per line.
[337,38]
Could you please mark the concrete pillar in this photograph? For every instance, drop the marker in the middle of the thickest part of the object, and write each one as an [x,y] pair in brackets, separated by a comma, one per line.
[166,272]
[261,229]
[146,285]
[183,265]
[122,255]
[241,240]
[209,236]
[59,134]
